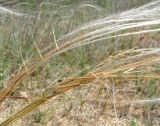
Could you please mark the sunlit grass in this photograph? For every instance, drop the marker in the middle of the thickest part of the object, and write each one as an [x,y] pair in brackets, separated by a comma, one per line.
[43,43]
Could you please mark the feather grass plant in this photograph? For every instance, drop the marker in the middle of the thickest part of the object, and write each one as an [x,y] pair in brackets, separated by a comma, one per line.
[96,31]
[102,71]
[136,21]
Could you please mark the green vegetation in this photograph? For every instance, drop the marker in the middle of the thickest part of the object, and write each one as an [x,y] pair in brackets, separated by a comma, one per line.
[38,116]
[133,122]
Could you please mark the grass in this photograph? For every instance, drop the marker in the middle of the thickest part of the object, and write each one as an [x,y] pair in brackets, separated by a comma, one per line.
[82,52]
[133,123]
